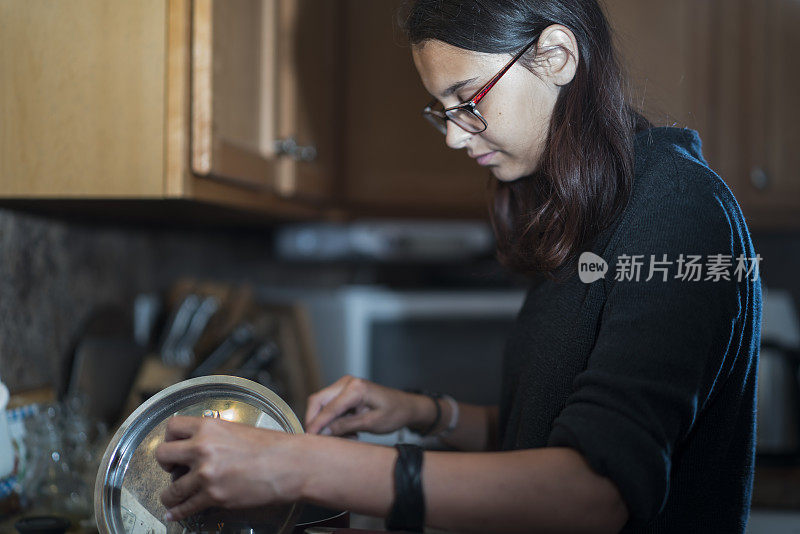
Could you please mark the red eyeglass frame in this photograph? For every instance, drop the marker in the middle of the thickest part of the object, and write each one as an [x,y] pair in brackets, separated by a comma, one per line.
[469,105]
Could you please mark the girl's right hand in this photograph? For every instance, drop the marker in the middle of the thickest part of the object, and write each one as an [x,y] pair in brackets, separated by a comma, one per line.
[356,405]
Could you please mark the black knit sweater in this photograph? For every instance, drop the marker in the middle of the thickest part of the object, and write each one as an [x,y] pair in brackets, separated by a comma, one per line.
[653,382]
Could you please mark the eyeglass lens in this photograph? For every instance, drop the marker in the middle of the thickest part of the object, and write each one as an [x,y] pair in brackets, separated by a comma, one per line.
[464,119]
[437,121]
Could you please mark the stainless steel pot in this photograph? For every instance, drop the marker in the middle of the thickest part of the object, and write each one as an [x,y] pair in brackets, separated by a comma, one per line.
[130,480]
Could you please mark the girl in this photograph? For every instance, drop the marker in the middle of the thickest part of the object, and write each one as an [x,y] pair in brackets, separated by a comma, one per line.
[629,390]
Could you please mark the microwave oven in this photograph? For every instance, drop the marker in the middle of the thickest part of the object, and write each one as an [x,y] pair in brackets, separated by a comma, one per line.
[450,341]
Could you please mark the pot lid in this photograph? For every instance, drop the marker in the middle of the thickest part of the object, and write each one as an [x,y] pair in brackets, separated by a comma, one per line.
[130,480]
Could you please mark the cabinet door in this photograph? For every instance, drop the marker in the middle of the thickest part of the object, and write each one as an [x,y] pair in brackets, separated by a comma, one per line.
[249,61]
[82,99]
[772,167]
[727,68]
[664,52]
[394,161]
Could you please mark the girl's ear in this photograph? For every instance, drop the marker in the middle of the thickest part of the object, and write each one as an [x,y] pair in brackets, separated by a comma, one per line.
[557,55]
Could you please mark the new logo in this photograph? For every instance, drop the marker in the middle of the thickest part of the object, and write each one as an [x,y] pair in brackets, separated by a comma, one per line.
[591,267]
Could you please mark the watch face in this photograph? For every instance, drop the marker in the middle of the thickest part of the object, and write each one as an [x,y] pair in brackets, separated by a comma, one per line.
[130,480]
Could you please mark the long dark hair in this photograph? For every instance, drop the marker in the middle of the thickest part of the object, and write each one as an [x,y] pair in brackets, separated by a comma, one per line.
[586,172]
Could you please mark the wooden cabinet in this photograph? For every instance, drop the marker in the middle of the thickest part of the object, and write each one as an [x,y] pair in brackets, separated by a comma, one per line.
[165,99]
[665,54]
[394,162]
[728,69]
[82,98]
[296,107]
[312,108]
[769,174]
[263,108]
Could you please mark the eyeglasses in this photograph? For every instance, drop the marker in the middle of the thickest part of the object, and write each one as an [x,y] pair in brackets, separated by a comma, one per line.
[466,114]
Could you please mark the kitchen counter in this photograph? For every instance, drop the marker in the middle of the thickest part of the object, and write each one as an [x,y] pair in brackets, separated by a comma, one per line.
[7,526]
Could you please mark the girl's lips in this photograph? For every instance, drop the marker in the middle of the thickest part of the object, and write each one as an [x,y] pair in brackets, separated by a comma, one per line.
[486,158]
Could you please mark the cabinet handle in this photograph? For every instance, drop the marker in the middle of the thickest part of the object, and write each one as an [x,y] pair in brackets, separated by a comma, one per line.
[759,178]
[289,147]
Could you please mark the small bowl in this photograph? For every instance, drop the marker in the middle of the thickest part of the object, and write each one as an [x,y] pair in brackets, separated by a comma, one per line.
[42,524]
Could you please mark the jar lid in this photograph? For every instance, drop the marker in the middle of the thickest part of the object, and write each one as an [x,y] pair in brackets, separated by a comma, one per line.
[130,480]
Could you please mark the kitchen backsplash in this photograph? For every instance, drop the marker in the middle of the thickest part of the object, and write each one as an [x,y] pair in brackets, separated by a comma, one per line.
[53,273]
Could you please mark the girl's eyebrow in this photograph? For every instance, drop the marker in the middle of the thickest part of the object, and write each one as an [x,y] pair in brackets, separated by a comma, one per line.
[458,85]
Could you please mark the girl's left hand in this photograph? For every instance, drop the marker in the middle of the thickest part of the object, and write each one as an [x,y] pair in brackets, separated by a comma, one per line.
[230,465]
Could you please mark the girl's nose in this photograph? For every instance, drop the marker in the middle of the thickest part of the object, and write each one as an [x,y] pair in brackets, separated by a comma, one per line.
[456,137]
